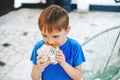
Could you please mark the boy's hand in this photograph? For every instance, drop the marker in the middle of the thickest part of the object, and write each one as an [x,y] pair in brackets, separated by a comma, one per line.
[42,64]
[60,57]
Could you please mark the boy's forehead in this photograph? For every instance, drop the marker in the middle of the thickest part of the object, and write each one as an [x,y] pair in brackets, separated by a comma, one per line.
[53,32]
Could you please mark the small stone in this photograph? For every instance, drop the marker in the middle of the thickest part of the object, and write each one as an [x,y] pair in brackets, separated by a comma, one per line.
[2,63]
[25,33]
[6,44]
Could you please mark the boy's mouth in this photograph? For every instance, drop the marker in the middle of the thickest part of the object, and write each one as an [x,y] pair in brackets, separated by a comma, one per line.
[53,45]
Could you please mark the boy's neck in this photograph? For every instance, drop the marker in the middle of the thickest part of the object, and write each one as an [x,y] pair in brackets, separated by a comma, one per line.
[64,41]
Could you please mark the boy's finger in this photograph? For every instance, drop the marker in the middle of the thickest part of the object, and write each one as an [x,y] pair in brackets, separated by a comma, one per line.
[46,63]
[59,54]
[40,56]
[40,61]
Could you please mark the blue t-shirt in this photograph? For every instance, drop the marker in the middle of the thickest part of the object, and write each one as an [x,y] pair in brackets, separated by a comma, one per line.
[73,55]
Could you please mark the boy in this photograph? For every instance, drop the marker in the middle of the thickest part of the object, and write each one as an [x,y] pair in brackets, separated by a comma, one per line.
[54,26]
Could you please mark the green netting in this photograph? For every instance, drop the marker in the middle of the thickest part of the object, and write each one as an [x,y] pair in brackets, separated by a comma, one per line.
[102,53]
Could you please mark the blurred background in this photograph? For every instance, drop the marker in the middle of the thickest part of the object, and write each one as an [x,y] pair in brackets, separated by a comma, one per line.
[94,23]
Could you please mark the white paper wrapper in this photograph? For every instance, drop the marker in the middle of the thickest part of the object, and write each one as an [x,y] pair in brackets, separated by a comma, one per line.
[48,53]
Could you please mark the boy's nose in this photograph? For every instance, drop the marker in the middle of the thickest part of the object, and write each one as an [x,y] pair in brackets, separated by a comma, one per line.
[50,41]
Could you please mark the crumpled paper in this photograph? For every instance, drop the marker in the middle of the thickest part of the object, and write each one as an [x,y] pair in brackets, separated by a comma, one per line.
[48,53]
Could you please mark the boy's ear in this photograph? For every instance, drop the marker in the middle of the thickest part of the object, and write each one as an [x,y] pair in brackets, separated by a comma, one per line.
[68,29]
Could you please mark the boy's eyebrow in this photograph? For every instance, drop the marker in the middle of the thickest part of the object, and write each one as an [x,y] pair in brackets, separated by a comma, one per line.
[52,35]
[56,35]
[43,34]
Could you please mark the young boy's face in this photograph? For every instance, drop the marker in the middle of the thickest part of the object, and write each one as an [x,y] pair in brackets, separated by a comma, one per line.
[55,38]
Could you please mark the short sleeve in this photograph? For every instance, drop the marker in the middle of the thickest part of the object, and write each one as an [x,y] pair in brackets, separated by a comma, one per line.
[34,51]
[78,57]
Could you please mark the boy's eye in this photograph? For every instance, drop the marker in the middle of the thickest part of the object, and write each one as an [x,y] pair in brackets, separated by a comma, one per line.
[55,36]
[44,35]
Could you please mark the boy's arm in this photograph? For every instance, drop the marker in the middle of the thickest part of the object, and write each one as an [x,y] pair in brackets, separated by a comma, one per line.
[74,72]
[36,72]
[39,68]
